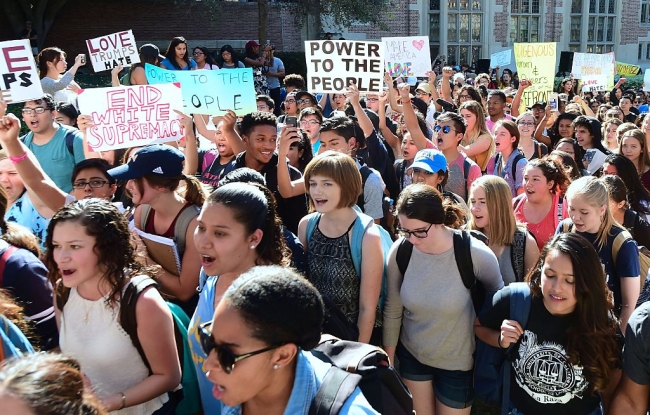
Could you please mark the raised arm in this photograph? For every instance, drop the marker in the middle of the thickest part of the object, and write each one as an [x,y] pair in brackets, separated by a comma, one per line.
[392,97]
[286,187]
[84,122]
[585,106]
[410,119]
[391,139]
[445,87]
[516,101]
[115,75]
[191,147]
[352,95]
[539,130]
[434,90]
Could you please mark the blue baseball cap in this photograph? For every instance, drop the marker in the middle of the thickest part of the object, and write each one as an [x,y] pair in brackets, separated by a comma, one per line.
[429,160]
[153,160]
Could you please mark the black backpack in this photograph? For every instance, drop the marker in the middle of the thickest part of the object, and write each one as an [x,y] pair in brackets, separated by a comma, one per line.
[518,156]
[359,364]
[463,255]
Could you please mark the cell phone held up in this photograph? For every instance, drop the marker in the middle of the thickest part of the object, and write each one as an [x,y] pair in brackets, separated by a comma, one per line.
[291,121]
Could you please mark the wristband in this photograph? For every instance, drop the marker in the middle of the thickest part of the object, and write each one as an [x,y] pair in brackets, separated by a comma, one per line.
[15,160]
[499,341]
[123,401]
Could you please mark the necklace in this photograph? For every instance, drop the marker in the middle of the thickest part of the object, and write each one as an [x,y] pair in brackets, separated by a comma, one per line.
[87,310]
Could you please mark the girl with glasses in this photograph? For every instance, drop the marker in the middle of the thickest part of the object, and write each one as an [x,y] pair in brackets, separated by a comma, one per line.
[238,229]
[228,58]
[528,146]
[428,316]
[203,59]
[258,346]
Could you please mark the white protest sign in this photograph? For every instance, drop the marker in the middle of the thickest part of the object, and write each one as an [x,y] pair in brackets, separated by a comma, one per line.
[107,52]
[646,80]
[595,71]
[502,58]
[594,83]
[132,116]
[334,65]
[19,81]
[407,56]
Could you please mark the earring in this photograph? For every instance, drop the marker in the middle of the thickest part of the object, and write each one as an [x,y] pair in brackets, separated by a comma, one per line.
[276,367]
[252,246]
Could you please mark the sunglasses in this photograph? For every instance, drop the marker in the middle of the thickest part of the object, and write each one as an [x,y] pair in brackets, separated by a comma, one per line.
[444,129]
[226,358]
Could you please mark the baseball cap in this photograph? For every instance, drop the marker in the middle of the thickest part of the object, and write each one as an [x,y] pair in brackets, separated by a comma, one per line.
[311,96]
[424,87]
[251,44]
[149,49]
[153,160]
[538,104]
[429,160]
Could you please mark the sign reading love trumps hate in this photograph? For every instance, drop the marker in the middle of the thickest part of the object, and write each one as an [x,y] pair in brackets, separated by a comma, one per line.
[210,92]
[19,80]
[334,65]
[110,51]
[131,116]
[407,56]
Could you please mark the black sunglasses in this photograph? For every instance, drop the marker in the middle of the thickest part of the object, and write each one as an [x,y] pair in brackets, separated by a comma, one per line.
[226,358]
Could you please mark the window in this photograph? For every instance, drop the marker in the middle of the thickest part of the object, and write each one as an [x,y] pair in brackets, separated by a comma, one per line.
[601,25]
[645,12]
[644,51]
[464,30]
[575,29]
[524,29]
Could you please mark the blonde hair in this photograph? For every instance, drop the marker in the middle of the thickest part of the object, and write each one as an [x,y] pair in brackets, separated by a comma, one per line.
[498,200]
[644,158]
[594,193]
[476,108]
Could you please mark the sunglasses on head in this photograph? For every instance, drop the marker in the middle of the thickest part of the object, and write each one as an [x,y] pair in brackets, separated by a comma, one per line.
[226,358]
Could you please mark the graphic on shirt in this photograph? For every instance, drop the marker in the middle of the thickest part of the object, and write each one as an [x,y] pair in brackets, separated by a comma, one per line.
[544,372]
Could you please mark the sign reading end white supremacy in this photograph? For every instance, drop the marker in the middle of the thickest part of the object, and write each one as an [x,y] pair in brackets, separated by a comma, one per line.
[334,65]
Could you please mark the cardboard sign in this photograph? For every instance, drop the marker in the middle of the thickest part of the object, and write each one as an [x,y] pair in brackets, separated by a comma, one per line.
[536,63]
[107,52]
[407,56]
[132,116]
[334,65]
[210,92]
[19,81]
[595,70]
[627,69]
[502,58]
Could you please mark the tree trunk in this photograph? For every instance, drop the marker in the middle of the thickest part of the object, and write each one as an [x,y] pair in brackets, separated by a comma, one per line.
[41,13]
[263,15]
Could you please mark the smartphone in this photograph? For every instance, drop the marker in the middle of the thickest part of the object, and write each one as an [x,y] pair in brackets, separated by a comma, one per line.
[83,59]
[552,101]
[291,121]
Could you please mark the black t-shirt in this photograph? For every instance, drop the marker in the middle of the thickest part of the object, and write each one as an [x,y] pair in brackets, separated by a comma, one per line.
[214,172]
[542,379]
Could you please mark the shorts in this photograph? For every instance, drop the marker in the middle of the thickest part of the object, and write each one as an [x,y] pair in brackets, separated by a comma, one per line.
[454,388]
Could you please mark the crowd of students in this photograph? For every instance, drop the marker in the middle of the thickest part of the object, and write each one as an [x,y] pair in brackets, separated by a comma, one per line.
[464,180]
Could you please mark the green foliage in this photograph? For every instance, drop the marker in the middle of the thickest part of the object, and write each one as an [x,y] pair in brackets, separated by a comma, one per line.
[343,12]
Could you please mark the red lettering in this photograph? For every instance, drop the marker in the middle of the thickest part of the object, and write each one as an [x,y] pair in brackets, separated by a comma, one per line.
[124,38]
[91,47]
[15,60]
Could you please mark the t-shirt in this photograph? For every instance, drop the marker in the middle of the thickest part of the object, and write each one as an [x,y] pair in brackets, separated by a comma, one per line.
[240,64]
[373,195]
[516,182]
[542,379]
[456,182]
[490,124]
[636,354]
[167,64]
[544,229]
[274,81]
[627,261]
[54,156]
[214,173]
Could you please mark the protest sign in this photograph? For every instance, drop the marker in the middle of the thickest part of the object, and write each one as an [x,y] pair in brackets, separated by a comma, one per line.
[334,65]
[19,81]
[646,80]
[132,115]
[595,70]
[110,51]
[407,56]
[627,69]
[536,63]
[210,92]
[502,58]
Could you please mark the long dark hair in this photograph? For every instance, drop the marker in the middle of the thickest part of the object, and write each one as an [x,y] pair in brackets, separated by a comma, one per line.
[553,132]
[206,53]
[638,195]
[591,338]
[113,245]
[423,202]
[170,54]
[233,56]
[53,55]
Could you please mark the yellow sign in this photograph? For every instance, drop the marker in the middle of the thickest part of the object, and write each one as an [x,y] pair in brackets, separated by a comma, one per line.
[536,63]
[627,69]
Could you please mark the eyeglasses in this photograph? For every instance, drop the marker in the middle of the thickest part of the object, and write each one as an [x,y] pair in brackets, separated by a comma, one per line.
[94,184]
[420,233]
[289,101]
[373,99]
[262,107]
[198,53]
[638,102]
[527,124]
[37,110]
[309,122]
[464,96]
[444,129]
[303,101]
[226,358]
[419,93]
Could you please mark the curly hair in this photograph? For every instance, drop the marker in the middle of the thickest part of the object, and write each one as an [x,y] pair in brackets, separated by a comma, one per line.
[254,206]
[49,384]
[253,119]
[591,338]
[278,305]
[552,170]
[115,250]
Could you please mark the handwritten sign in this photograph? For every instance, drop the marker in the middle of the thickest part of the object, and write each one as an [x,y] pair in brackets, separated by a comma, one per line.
[407,56]
[334,65]
[627,69]
[110,51]
[594,69]
[19,80]
[131,116]
[536,62]
[210,92]
[502,58]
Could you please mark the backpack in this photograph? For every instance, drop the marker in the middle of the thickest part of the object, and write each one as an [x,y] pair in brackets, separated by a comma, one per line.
[186,397]
[7,251]
[358,364]
[462,253]
[466,168]
[518,252]
[518,156]
[492,373]
[180,227]
[361,225]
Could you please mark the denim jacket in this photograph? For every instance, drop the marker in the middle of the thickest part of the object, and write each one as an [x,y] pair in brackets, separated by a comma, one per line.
[310,372]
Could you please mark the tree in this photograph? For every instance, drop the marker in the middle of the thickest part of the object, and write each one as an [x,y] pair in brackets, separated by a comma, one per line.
[40,12]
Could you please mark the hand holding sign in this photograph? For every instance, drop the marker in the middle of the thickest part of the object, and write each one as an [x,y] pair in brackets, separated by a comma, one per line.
[352,94]
[84,122]
[404,91]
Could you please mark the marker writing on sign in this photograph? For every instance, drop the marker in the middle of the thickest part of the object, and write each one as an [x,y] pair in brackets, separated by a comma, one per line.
[365,58]
[112,50]
[18,67]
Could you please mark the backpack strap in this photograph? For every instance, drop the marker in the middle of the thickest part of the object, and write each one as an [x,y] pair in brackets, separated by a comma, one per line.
[359,229]
[518,252]
[365,173]
[518,157]
[336,388]
[463,255]
[403,255]
[144,216]
[7,251]
[69,141]
[618,243]
[629,219]
[134,288]
[312,221]
[467,166]
[567,226]
[180,228]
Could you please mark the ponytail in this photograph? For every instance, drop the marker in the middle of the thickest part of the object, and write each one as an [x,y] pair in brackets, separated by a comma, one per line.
[455,216]
[194,192]
[272,248]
